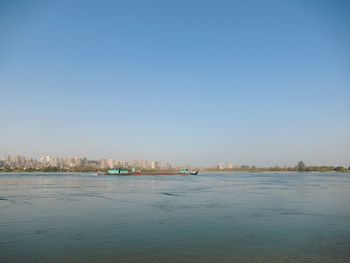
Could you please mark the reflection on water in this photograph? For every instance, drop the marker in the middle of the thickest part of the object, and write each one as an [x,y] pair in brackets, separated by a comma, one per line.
[205,218]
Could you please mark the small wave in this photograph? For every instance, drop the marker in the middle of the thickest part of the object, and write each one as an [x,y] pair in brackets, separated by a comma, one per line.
[170,194]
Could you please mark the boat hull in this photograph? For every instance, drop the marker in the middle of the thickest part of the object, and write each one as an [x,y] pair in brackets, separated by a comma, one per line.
[139,173]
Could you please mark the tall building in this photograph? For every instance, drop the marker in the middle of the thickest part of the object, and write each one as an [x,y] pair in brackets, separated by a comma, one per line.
[142,164]
[70,162]
[78,162]
[103,163]
[84,162]
[49,160]
[45,159]
[111,163]
[154,165]
[123,164]
[54,161]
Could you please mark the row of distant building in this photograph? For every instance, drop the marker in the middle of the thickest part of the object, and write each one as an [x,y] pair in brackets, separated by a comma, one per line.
[18,161]
[223,166]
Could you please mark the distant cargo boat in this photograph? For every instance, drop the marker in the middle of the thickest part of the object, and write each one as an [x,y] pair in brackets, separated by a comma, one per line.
[133,171]
[188,171]
[120,172]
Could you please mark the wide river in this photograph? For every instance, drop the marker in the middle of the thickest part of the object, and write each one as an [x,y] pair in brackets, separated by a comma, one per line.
[241,217]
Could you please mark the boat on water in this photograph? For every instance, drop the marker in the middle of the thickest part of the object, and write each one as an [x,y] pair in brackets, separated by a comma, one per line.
[120,171]
[133,171]
[187,171]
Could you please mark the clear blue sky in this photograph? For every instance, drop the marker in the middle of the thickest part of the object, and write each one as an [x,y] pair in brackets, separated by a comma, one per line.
[201,82]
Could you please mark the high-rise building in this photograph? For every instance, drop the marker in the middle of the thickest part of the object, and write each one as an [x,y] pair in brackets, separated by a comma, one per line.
[84,161]
[144,164]
[78,162]
[111,163]
[103,163]
[140,164]
[49,160]
[154,165]
[54,161]
[69,162]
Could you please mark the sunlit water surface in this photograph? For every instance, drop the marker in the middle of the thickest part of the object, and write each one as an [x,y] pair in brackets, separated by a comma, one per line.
[266,217]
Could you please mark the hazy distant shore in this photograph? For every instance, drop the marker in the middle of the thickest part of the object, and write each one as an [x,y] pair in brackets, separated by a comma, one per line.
[299,167]
[159,172]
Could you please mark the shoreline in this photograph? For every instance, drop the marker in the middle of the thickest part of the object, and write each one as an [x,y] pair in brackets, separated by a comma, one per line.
[167,173]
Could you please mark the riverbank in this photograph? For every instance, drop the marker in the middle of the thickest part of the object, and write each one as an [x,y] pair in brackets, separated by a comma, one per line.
[174,173]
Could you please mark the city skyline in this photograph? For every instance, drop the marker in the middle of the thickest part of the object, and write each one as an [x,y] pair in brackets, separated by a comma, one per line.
[199,82]
[105,162]
[53,160]
[21,161]
[50,163]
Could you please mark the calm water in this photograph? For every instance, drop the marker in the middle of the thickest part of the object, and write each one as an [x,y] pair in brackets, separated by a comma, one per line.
[205,218]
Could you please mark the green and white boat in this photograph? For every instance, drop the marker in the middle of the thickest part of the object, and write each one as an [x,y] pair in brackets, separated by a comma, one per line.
[187,171]
[120,171]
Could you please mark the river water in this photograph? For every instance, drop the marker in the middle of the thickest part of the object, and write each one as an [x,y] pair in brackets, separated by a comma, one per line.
[241,217]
